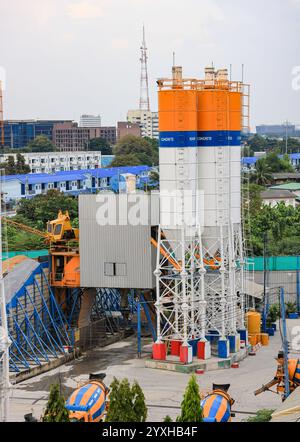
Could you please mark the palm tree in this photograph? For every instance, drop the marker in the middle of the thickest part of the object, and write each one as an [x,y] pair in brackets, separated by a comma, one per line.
[262,175]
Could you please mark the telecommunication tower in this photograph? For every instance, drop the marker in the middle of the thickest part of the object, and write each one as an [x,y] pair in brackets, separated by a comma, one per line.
[144,89]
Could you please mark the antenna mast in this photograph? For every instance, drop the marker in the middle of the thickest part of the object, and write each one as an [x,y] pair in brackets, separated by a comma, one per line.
[144,91]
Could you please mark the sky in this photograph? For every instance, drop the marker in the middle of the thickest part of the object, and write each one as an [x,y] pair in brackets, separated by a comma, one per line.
[62,58]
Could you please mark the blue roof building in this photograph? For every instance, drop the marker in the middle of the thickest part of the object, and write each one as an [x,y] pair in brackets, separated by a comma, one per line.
[70,182]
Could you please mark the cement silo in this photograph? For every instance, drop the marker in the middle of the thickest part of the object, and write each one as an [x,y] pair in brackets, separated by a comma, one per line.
[200,125]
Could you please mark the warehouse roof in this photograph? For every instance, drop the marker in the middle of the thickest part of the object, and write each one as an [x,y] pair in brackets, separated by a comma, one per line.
[277,194]
[74,175]
[287,186]
[249,160]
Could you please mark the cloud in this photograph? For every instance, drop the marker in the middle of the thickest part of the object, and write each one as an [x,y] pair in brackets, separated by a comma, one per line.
[85,10]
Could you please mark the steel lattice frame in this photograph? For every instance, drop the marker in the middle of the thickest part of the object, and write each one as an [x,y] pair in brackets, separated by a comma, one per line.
[180,303]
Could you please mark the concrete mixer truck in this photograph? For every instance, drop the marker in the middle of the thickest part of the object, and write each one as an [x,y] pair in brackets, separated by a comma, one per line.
[88,403]
[278,380]
[216,406]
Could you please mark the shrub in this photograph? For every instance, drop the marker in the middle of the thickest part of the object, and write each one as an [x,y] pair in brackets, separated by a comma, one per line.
[191,410]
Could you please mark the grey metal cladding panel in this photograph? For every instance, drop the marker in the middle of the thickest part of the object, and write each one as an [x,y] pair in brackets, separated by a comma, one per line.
[90,207]
[117,244]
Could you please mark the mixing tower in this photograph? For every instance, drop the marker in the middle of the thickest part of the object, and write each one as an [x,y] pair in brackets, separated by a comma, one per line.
[200,272]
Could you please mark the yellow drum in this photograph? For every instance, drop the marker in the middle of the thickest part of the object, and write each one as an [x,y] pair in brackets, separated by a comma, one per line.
[264,339]
[252,339]
[253,322]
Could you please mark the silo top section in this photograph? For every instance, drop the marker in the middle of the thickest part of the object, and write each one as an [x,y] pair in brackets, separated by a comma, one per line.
[194,113]
[177,113]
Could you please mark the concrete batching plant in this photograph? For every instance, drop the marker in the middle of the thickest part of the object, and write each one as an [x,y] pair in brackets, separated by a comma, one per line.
[199,273]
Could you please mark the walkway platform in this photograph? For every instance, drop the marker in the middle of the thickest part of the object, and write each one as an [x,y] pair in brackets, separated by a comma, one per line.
[172,363]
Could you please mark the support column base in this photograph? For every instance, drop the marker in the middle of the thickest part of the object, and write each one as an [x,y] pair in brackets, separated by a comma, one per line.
[244,335]
[204,350]
[234,343]
[175,348]
[186,354]
[223,348]
[159,351]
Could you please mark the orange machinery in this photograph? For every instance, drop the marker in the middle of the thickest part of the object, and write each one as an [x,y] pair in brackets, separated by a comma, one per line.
[278,380]
[64,250]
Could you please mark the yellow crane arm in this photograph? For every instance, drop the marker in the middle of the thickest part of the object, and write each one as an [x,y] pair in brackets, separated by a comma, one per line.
[25,228]
[166,255]
[266,387]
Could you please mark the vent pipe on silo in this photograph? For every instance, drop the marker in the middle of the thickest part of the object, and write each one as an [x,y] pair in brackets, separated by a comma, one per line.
[177,76]
[210,76]
[222,75]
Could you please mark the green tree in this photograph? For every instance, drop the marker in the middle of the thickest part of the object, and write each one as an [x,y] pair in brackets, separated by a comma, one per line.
[154,179]
[191,410]
[126,160]
[45,207]
[144,150]
[55,408]
[139,405]
[12,168]
[41,144]
[168,419]
[282,223]
[126,404]
[261,416]
[36,212]
[247,151]
[262,174]
[100,144]
[257,143]
[277,164]
[21,167]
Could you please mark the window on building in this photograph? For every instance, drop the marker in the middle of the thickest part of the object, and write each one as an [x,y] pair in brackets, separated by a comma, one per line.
[115,269]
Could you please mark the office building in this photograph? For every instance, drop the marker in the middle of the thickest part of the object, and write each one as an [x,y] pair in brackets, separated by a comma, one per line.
[51,162]
[276,130]
[90,121]
[147,120]
[126,128]
[18,133]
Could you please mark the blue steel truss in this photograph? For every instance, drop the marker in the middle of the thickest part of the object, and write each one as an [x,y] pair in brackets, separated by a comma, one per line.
[37,326]
[109,300]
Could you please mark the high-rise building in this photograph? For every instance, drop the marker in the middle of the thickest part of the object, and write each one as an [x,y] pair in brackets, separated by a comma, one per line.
[68,136]
[18,133]
[276,130]
[90,121]
[147,120]
[126,128]
[109,133]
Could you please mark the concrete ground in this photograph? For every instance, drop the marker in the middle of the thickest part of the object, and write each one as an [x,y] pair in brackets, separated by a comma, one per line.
[163,390]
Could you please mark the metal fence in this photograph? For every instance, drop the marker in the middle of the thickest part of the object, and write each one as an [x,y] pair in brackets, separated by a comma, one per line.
[91,336]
